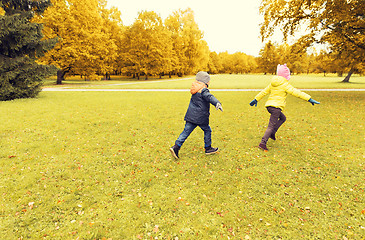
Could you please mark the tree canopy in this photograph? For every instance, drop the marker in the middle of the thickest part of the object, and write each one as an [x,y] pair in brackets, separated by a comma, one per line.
[338,23]
[94,43]
[88,36]
[147,46]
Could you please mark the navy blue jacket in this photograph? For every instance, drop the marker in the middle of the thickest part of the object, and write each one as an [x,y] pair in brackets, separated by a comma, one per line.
[199,107]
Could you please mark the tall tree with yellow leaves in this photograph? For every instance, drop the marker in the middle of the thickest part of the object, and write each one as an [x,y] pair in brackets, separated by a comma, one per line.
[214,63]
[190,49]
[112,27]
[269,58]
[339,23]
[85,46]
[147,49]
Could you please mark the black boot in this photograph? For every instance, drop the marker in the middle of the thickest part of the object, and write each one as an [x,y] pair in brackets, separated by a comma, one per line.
[263,147]
[175,151]
[210,150]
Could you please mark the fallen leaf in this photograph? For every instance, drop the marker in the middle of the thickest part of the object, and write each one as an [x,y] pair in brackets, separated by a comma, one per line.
[31,205]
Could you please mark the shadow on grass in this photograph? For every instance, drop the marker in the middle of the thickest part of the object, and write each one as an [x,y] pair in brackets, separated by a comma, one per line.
[78,81]
[350,83]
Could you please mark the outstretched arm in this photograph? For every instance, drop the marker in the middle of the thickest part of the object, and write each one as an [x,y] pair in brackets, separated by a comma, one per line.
[259,96]
[263,93]
[210,98]
[297,93]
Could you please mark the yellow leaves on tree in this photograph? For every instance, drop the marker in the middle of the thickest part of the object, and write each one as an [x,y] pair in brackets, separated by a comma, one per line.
[191,51]
[338,23]
[152,47]
[86,38]
[94,42]
[147,46]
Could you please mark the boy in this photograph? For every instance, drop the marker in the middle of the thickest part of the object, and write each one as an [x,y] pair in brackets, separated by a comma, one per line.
[198,114]
[278,90]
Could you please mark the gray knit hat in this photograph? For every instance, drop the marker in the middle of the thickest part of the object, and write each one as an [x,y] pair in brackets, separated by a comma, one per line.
[203,77]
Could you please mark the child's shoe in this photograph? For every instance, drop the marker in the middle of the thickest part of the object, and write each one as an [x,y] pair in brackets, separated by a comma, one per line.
[175,151]
[210,150]
[263,147]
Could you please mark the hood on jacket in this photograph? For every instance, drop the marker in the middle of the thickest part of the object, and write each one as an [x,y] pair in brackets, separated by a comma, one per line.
[196,87]
[278,80]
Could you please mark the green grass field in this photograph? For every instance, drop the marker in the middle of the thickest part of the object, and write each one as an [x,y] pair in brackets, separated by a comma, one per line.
[96,165]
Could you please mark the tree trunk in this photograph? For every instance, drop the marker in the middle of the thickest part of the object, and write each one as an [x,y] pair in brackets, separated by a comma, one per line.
[60,76]
[347,78]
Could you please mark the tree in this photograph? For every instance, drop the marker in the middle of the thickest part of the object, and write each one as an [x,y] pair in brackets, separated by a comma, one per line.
[269,58]
[339,23]
[112,28]
[323,63]
[191,51]
[20,45]
[85,47]
[214,64]
[294,56]
[147,46]
[227,62]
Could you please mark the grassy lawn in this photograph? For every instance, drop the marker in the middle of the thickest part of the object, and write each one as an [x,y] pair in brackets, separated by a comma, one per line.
[96,165]
[250,81]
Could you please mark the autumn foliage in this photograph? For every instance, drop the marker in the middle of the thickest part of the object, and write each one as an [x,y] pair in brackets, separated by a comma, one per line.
[94,42]
[338,24]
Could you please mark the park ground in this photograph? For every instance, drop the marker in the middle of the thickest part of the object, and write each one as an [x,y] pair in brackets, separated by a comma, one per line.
[220,81]
[96,165]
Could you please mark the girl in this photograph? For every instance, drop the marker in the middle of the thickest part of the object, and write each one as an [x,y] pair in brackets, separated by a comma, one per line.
[278,90]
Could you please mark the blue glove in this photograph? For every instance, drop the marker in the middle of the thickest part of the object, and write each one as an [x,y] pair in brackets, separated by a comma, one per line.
[253,102]
[313,101]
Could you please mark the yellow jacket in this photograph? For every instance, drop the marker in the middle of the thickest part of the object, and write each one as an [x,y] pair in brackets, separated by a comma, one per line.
[278,90]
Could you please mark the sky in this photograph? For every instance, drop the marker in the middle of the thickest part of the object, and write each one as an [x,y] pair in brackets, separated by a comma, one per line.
[227,25]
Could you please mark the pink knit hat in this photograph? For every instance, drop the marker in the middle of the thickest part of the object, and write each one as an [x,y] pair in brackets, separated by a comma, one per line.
[283,71]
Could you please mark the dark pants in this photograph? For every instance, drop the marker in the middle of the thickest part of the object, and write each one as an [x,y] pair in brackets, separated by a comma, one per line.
[189,127]
[277,119]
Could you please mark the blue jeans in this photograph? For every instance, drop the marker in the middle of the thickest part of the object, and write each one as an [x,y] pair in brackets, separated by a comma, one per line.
[189,128]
